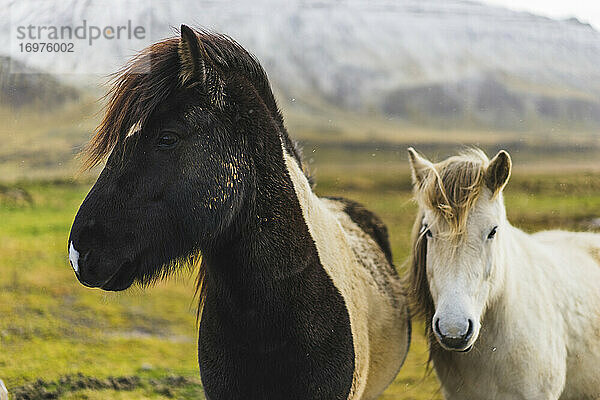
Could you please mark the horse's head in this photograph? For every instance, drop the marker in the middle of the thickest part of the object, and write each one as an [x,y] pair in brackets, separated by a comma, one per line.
[182,126]
[457,235]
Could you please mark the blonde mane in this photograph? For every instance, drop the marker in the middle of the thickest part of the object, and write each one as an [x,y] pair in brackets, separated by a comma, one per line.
[452,187]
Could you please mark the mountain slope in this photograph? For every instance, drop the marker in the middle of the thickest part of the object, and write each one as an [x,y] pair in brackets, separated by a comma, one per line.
[439,62]
[21,86]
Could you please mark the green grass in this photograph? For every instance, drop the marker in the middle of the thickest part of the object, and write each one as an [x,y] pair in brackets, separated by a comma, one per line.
[52,327]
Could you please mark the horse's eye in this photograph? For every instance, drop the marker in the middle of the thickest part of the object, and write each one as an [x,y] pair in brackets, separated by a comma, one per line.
[167,141]
[493,233]
[426,231]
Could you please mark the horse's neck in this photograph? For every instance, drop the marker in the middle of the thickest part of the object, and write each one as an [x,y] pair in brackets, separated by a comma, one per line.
[510,274]
[273,321]
[270,248]
[516,250]
[248,269]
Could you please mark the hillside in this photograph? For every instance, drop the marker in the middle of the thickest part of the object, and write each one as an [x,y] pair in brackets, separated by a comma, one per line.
[355,76]
[23,86]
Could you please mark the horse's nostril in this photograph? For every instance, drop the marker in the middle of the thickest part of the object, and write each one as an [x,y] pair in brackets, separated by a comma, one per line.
[436,326]
[469,333]
[455,338]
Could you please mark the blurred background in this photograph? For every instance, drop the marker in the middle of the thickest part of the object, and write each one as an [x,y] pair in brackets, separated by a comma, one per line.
[357,81]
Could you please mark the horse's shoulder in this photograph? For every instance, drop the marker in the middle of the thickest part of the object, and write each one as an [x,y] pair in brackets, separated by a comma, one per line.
[367,221]
[586,244]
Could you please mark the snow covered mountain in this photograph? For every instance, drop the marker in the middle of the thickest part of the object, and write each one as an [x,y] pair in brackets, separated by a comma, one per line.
[441,62]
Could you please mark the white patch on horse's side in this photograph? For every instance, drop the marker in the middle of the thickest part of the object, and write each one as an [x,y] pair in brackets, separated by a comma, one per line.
[377,329]
[388,328]
[135,128]
[74,257]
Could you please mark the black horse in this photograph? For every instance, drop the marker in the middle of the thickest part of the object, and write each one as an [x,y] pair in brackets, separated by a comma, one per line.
[299,297]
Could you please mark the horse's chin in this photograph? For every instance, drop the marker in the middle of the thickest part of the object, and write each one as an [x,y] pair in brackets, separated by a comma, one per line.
[122,279]
[465,349]
[468,349]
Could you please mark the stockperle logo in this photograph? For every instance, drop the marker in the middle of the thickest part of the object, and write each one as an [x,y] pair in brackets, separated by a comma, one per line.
[81,37]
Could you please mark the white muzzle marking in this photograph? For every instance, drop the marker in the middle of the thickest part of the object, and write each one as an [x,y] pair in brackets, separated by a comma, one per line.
[74,257]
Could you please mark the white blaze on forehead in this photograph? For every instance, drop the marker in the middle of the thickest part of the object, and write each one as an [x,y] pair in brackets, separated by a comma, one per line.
[135,128]
[74,257]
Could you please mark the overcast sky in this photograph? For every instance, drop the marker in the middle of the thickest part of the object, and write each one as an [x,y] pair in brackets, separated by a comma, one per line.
[584,10]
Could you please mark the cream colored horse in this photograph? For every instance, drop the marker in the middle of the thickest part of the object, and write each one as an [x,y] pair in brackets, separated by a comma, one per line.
[514,315]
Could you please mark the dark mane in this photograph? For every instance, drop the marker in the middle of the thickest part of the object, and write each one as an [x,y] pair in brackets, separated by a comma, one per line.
[136,91]
[152,76]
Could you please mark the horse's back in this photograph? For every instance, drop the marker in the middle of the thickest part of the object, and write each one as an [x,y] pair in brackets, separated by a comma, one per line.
[587,244]
[369,240]
[385,304]
[370,223]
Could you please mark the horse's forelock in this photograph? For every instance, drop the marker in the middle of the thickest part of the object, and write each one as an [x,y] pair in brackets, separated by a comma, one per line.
[452,187]
[153,75]
[137,90]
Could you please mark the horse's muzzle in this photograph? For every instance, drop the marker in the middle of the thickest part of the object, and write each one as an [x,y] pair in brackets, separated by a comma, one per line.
[459,343]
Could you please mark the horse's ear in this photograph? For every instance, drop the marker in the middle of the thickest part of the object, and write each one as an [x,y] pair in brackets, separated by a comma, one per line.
[191,57]
[419,166]
[498,172]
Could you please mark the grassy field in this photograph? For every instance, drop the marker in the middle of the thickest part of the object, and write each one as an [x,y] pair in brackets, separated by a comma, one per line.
[61,340]
[43,144]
